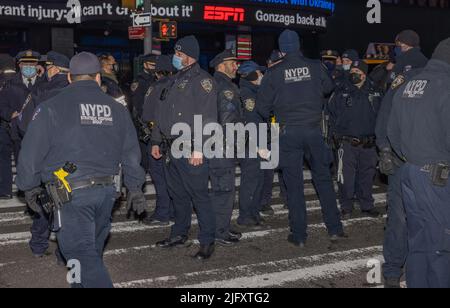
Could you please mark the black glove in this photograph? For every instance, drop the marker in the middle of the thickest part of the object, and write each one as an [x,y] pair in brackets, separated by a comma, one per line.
[31,197]
[387,165]
[136,202]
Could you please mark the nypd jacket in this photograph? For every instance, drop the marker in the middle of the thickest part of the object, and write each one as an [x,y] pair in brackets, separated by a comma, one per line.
[228,100]
[189,93]
[139,89]
[84,126]
[45,92]
[386,108]
[294,91]
[249,94]
[413,58]
[419,126]
[353,111]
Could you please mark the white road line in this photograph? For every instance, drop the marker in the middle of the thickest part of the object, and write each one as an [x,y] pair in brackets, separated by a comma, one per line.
[245,236]
[270,273]
[133,226]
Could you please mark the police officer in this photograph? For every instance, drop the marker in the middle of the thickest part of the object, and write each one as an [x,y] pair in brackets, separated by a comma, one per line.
[300,136]
[275,58]
[353,113]
[57,68]
[191,92]
[138,90]
[223,169]
[85,127]
[341,74]
[20,90]
[330,59]
[110,82]
[164,206]
[407,53]
[7,73]
[395,240]
[419,133]
[251,78]
[144,80]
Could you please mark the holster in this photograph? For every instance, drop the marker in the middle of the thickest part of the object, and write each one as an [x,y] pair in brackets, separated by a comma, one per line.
[439,174]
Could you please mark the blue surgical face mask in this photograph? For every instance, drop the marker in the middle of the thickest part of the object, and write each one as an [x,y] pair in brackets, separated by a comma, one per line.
[177,62]
[29,71]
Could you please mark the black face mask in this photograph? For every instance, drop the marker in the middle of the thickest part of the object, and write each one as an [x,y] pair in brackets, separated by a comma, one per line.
[355,78]
[253,76]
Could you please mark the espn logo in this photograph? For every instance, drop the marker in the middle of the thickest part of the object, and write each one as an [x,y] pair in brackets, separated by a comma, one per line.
[222,13]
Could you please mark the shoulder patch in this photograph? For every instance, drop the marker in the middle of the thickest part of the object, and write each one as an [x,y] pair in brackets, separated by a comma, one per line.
[229,95]
[207,85]
[149,91]
[399,80]
[134,86]
[104,88]
[250,104]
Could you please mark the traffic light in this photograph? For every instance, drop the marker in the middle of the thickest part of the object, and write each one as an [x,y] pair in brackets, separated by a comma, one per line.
[168,29]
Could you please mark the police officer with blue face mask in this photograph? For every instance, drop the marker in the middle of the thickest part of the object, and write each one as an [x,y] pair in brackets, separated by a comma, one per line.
[7,73]
[300,133]
[418,130]
[57,68]
[191,92]
[77,140]
[22,86]
[353,111]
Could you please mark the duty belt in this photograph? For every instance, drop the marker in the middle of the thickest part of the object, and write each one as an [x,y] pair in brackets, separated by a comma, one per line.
[98,181]
[439,173]
[367,142]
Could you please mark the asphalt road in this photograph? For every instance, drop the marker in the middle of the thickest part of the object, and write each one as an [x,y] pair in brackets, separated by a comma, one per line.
[263,258]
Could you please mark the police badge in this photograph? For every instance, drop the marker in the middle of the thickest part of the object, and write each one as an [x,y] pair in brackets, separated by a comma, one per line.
[207,85]
[250,104]
[134,86]
[399,80]
[229,95]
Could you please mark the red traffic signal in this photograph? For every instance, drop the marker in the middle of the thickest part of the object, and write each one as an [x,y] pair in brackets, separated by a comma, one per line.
[168,29]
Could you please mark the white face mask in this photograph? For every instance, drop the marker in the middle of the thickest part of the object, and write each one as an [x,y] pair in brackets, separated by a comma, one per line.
[259,80]
[347,67]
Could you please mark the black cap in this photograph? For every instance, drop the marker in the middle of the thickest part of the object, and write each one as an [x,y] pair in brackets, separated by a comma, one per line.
[150,58]
[226,55]
[442,51]
[351,54]
[408,37]
[329,54]
[6,62]
[361,65]
[164,64]
[85,63]
[28,56]
[57,59]
[189,46]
